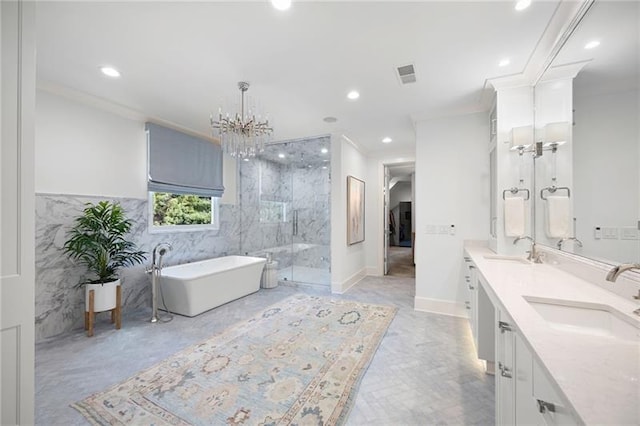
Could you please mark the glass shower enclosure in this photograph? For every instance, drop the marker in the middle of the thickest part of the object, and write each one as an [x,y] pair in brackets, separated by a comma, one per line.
[285,204]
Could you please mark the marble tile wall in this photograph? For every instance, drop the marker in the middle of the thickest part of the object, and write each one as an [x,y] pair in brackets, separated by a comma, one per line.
[302,182]
[60,307]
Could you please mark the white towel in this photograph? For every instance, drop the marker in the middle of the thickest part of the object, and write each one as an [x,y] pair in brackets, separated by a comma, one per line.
[558,217]
[514,217]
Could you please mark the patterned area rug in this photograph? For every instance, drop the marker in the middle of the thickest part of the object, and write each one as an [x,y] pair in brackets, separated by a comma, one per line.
[297,362]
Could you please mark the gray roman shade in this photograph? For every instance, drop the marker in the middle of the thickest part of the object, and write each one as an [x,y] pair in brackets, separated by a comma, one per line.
[183,164]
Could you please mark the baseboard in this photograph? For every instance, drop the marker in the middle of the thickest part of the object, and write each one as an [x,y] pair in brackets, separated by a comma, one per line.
[344,286]
[374,271]
[443,307]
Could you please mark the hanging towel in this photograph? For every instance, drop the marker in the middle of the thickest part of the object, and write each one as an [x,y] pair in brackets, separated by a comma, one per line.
[514,217]
[558,216]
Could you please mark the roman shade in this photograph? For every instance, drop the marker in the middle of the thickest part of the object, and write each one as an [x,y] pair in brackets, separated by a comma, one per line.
[183,164]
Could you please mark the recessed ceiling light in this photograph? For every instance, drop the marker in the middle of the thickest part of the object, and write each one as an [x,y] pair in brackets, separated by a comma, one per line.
[592,44]
[281,155]
[523,4]
[324,167]
[353,95]
[324,150]
[281,4]
[245,159]
[110,71]
[387,140]
[504,62]
[329,119]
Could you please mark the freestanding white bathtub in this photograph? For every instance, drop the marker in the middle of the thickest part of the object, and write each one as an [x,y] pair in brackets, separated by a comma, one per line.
[193,288]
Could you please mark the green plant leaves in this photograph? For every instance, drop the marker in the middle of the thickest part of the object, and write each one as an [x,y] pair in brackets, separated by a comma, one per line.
[97,241]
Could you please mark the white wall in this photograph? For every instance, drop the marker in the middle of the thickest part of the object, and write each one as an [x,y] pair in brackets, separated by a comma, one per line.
[452,187]
[348,263]
[401,191]
[83,150]
[606,170]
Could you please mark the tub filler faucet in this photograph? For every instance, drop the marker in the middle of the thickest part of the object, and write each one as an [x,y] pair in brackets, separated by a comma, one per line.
[156,271]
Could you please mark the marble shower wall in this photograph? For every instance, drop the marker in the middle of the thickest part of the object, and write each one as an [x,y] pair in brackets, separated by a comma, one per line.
[300,181]
[60,307]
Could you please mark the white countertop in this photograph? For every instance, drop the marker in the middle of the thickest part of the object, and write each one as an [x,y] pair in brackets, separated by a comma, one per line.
[599,376]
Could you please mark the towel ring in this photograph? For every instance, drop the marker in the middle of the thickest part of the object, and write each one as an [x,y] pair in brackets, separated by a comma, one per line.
[553,189]
[514,191]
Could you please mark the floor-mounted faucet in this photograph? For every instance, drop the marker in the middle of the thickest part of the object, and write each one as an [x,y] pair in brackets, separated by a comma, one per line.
[562,240]
[617,270]
[156,270]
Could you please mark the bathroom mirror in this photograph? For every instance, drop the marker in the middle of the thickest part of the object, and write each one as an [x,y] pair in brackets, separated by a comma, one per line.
[587,113]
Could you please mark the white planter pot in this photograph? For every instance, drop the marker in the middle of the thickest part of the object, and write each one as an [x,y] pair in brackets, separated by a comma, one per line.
[104,296]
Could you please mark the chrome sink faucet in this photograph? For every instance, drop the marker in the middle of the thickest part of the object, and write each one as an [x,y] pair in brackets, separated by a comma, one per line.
[617,270]
[533,256]
[562,240]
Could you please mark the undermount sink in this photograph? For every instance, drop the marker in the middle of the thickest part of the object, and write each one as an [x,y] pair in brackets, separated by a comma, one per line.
[515,259]
[586,318]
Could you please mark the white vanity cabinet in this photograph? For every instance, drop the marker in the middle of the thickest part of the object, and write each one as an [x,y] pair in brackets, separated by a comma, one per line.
[471,299]
[524,393]
[480,313]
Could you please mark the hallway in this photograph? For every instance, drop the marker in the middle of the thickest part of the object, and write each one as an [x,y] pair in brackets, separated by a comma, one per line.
[401,262]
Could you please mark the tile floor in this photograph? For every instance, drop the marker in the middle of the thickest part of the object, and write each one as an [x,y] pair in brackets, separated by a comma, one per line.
[401,262]
[423,373]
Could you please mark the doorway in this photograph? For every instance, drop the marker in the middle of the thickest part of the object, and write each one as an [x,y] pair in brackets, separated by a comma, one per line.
[399,230]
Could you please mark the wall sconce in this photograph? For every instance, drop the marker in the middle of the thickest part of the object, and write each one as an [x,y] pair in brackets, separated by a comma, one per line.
[556,134]
[521,139]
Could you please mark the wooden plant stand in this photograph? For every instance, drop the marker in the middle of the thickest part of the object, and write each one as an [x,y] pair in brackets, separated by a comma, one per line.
[116,313]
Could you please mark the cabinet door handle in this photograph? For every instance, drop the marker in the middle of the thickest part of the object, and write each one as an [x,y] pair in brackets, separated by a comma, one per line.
[472,267]
[504,326]
[471,287]
[544,406]
[504,371]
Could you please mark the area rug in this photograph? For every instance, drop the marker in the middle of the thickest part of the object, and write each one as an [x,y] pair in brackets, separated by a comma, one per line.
[297,362]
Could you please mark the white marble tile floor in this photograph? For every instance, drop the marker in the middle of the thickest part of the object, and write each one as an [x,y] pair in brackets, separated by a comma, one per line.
[424,371]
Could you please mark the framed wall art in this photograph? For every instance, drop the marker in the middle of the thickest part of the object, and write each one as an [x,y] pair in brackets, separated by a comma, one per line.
[355,210]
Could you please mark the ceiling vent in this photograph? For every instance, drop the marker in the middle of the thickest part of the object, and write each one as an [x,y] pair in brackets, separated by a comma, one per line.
[407,74]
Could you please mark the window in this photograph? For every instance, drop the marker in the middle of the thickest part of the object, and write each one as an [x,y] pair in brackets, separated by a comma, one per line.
[182,212]
[184,180]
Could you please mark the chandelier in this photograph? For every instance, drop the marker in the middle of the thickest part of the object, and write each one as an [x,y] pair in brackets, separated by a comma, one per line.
[242,135]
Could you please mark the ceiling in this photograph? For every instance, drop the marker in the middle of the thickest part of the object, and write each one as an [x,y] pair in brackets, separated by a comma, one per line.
[181,60]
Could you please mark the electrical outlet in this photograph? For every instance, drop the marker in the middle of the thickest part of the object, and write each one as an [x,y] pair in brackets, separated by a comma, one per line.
[443,230]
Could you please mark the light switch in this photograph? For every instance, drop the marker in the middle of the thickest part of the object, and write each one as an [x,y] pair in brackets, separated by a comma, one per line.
[609,233]
[629,233]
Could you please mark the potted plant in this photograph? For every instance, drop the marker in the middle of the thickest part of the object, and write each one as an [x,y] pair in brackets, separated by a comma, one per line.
[97,241]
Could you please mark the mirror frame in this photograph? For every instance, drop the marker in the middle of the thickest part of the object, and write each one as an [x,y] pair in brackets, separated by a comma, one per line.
[557,48]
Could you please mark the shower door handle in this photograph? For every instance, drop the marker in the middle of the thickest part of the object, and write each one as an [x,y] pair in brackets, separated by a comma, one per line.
[295,222]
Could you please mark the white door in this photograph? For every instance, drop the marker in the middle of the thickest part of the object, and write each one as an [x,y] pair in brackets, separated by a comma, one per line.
[386,220]
[17,222]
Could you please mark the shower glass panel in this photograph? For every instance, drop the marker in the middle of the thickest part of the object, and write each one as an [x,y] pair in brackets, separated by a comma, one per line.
[285,195]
